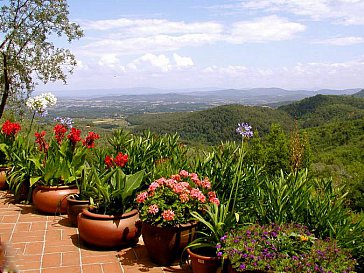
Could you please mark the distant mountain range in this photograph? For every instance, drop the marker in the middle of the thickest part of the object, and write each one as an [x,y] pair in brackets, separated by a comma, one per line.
[205,92]
[114,103]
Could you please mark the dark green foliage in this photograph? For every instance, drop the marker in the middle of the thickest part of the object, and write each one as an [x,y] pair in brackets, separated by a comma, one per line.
[214,125]
[277,150]
[320,109]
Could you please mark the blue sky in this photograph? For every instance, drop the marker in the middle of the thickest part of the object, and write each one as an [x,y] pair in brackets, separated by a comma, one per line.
[180,44]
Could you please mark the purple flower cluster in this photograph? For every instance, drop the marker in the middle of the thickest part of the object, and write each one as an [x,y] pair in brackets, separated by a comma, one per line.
[245,130]
[66,121]
[283,248]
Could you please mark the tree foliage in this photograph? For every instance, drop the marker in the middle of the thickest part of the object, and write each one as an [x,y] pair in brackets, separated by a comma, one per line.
[28,31]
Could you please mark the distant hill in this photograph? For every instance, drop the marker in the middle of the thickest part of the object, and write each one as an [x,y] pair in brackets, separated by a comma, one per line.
[320,109]
[360,94]
[213,125]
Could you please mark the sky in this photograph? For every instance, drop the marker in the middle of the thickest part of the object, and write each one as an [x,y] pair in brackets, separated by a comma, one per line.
[191,44]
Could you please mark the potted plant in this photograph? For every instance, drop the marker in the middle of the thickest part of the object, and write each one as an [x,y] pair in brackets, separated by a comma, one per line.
[9,131]
[112,220]
[86,186]
[282,248]
[213,223]
[165,209]
[59,164]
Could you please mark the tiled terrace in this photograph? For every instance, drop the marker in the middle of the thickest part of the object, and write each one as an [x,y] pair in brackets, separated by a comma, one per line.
[37,243]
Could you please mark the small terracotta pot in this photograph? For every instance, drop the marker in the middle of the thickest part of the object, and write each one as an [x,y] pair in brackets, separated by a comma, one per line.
[109,231]
[204,264]
[74,207]
[52,199]
[165,244]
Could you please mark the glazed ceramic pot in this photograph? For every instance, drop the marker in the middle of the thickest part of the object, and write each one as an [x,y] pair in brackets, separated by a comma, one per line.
[165,244]
[204,261]
[109,231]
[52,199]
[74,207]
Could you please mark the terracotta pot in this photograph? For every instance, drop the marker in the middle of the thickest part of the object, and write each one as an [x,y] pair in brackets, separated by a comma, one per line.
[109,231]
[3,172]
[52,199]
[165,244]
[204,264]
[74,207]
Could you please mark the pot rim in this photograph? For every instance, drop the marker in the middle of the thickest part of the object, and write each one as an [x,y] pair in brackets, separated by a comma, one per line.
[87,213]
[198,256]
[178,226]
[53,188]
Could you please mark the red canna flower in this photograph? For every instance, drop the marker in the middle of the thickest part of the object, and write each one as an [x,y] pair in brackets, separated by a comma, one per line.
[59,132]
[40,140]
[74,136]
[89,141]
[109,161]
[121,159]
[10,129]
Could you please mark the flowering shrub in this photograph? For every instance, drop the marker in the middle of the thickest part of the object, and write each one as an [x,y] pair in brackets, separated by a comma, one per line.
[9,130]
[39,104]
[169,202]
[282,248]
[61,159]
[109,189]
[119,161]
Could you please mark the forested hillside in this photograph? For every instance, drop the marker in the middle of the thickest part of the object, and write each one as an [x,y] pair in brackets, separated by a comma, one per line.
[321,109]
[213,125]
[333,125]
[360,94]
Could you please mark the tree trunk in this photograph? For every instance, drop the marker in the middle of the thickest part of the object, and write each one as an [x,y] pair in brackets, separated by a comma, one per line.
[6,86]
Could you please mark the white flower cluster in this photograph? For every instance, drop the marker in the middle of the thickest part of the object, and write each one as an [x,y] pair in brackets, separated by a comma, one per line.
[41,102]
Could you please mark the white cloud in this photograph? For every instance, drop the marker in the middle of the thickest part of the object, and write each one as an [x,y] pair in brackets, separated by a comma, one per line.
[340,11]
[160,63]
[152,26]
[139,45]
[110,60]
[125,36]
[151,61]
[182,61]
[342,41]
[270,28]
[338,75]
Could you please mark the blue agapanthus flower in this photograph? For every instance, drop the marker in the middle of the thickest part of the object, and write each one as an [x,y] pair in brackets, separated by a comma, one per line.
[245,130]
[66,121]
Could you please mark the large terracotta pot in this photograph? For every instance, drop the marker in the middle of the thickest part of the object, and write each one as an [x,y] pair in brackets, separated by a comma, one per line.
[109,231]
[3,172]
[165,244]
[52,199]
[74,207]
[204,263]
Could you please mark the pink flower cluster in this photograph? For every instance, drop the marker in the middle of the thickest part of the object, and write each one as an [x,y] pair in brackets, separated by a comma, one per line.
[194,192]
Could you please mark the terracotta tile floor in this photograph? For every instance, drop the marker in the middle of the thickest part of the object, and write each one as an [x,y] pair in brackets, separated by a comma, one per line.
[37,243]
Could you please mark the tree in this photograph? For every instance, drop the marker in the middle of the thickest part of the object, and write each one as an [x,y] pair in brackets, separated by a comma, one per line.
[277,150]
[27,51]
